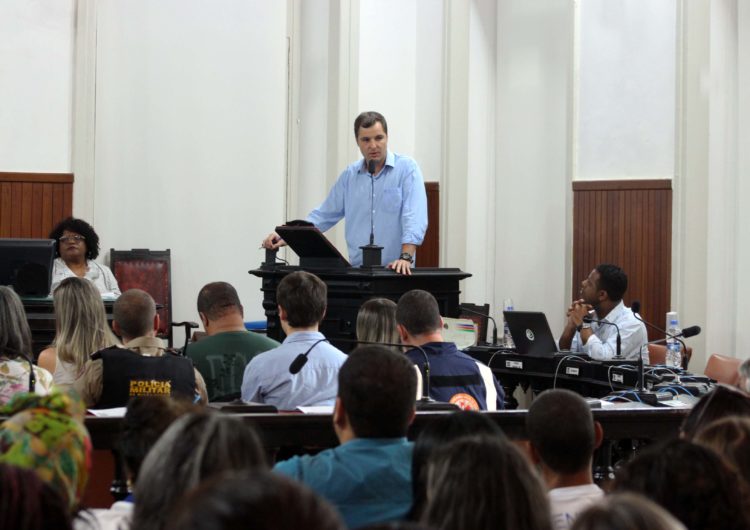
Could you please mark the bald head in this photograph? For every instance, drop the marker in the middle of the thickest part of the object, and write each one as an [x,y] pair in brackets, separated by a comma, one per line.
[134,313]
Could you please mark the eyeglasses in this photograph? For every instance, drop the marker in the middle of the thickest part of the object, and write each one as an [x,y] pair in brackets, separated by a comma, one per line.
[75,239]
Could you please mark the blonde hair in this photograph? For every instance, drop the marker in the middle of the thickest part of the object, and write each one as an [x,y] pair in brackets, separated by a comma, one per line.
[376,321]
[82,327]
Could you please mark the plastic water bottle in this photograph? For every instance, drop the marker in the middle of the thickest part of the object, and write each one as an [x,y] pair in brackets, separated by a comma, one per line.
[507,338]
[674,348]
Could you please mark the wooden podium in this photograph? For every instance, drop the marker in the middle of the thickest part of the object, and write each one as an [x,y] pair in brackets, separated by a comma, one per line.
[349,287]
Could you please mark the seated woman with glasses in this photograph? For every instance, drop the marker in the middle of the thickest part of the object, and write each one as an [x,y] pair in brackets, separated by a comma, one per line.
[77,245]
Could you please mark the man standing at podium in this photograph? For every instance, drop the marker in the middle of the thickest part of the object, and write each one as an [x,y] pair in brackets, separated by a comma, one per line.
[393,197]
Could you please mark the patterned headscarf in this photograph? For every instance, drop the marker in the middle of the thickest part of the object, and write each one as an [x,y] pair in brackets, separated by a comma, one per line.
[46,434]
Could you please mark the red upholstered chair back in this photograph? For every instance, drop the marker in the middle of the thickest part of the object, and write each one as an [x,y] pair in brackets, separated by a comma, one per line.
[723,369]
[149,270]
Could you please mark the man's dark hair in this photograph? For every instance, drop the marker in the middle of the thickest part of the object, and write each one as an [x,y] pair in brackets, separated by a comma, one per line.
[418,312]
[378,388]
[613,280]
[145,420]
[217,299]
[303,296]
[134,313]
[367,120]
[560,426]
[79,226]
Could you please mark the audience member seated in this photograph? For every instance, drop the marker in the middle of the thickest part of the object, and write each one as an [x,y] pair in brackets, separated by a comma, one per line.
[260,500]
[376,321]
[562,438]
[691,482]
[15,350]
[626,511]
[301,299]
[27,503]
[76,248]
[437,433]
[193,449]
[46,435]
[484,483]
[145,421]
[721,402]
[454,376]
[368,476]
[82,329]
[730,438]
[221,357]
[144,367]
[602,292]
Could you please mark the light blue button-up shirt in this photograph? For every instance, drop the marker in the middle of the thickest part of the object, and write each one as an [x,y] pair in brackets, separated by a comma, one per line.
[602,345]
[267,378]
[399,207]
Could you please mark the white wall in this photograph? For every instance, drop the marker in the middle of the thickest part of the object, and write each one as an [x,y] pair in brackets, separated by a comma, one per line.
[36,85]
[626,89]
[190,136]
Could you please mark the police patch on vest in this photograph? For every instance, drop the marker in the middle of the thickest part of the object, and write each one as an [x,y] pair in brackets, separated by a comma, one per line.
[464,401]
[149,387]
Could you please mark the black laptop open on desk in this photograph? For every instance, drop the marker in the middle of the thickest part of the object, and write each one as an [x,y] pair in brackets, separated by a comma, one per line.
[531,333]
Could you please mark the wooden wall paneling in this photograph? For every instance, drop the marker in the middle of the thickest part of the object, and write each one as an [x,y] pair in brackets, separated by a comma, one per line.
[32,203]
[628,223]
[428,254]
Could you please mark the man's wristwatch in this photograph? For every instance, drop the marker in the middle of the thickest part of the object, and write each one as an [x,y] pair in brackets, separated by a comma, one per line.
[406,257]
[585,325]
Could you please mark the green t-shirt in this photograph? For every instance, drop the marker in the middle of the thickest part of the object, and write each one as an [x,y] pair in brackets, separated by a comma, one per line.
[221,359]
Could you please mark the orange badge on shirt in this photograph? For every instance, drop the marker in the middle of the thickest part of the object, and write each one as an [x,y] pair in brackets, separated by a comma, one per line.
[464,402]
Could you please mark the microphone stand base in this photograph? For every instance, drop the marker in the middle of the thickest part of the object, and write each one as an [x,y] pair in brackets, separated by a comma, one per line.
[429,404]
[371,257]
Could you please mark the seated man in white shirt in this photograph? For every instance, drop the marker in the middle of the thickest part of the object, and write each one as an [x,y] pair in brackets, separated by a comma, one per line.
[270,377]
[602,292]
[562,438]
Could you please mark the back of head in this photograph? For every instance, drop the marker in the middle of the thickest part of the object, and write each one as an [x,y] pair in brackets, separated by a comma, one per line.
[303,296]
[613,280]
[134,313]
[27,503]
[441,431]
[368,119]
[626,511]
[418,312]
[721,402]
[376,321]
[685,478]
[730,438]
[15,336]
[560,426]
[377,388]
[145,421]
[46,434]
[258,500]
[483,483]
[218,299]
[81,321]
[194,448]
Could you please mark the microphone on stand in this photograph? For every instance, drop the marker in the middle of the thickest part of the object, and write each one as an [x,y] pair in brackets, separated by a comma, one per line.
[618,354]
[494,324]
[425,402]
[372,253]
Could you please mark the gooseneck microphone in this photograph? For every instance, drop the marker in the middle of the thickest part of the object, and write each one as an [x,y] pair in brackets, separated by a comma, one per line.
[588,319]
[494,324]
[301,359]
[371,170]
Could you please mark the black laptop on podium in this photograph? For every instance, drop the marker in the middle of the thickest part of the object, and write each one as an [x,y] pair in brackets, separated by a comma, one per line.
[531,333]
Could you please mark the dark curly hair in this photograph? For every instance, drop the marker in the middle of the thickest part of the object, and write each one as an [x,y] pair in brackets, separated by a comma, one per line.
[79,226]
